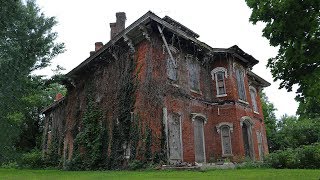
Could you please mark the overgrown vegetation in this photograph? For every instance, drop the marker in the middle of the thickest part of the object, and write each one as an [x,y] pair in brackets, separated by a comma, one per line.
[27,43]
[303,157]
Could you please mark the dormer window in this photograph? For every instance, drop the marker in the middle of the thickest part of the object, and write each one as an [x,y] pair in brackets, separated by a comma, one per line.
[219,74]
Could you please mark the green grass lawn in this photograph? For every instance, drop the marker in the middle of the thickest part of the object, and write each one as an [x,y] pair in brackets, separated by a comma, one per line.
[282,174]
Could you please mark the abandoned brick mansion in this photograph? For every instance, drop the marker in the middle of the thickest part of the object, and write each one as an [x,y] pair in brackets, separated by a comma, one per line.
[155,90]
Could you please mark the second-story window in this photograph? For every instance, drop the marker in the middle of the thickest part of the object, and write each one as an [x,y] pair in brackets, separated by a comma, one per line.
[240,84]
[171,70]
[194,73]
[172,66]
[253,94]
[219,74]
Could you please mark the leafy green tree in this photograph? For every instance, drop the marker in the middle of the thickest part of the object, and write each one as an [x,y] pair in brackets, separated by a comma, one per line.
[270,121]
[293,132]
[27,43]
[294,27]
[309,107]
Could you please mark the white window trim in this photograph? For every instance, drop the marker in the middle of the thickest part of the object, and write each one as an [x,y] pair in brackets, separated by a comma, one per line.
[219,127]
[214,77]
[218,69]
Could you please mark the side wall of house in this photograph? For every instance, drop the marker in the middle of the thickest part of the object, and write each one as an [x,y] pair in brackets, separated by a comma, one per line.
[53,131]
[102,84]
[159,99]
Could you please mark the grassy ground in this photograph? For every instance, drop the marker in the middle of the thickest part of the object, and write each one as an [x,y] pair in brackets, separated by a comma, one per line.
[282,174]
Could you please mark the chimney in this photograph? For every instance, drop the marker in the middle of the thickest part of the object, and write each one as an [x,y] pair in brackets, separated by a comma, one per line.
[58,97]
[119,25]
[97,46]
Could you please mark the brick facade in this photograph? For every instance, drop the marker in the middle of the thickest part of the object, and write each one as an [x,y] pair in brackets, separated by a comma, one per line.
[159,99]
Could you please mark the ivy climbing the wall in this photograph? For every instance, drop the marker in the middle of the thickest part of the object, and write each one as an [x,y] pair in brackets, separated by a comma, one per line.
[88,142]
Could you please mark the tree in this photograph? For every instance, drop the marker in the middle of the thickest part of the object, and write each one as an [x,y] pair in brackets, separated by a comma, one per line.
[270,121]
[293,132]
[27,43]
[293,26]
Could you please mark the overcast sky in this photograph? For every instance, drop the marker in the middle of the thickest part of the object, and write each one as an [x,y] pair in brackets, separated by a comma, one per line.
[220,24]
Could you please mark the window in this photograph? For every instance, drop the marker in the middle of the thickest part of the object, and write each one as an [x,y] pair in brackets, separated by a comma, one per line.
[226,140]
[172,69]
[224,129]
[194,73]
[219,74]
[253,94]
[240,84]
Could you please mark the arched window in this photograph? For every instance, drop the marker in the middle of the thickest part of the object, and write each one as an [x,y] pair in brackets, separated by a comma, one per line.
[199,120]
[253,94]
[219,74]
[246,127]
[225,130]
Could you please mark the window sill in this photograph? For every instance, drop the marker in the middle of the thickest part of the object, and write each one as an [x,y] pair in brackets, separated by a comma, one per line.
[174,85]
[227,155]
[221,95]
[255,112]
[196,91]
[244,102]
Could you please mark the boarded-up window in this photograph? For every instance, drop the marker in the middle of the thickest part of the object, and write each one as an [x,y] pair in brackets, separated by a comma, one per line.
[171,70]
[220,83]
[253,95]
[226,140]
[199,140]
[175,143]
[260,146]
[194,73]
[240,84]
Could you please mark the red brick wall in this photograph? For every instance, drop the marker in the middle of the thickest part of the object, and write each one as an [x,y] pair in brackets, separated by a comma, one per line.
[175,99]
[156,92]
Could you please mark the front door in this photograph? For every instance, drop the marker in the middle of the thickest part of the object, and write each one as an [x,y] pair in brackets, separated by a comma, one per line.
[199,140]
[175,145]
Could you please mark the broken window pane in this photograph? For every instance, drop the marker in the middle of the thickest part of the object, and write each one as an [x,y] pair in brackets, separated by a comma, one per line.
[220,83]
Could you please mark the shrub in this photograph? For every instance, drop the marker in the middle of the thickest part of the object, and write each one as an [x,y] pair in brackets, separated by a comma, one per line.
[136,164]
[31,159]
[303,157]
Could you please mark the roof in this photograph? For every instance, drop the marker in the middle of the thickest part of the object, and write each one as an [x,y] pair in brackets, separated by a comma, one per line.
[53,105]
[170,25]
[180,26]
[239,53]
[259,80]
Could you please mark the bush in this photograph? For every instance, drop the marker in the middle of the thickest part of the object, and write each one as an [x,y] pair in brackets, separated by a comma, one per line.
[303,157]
[136,164]
[32,159]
